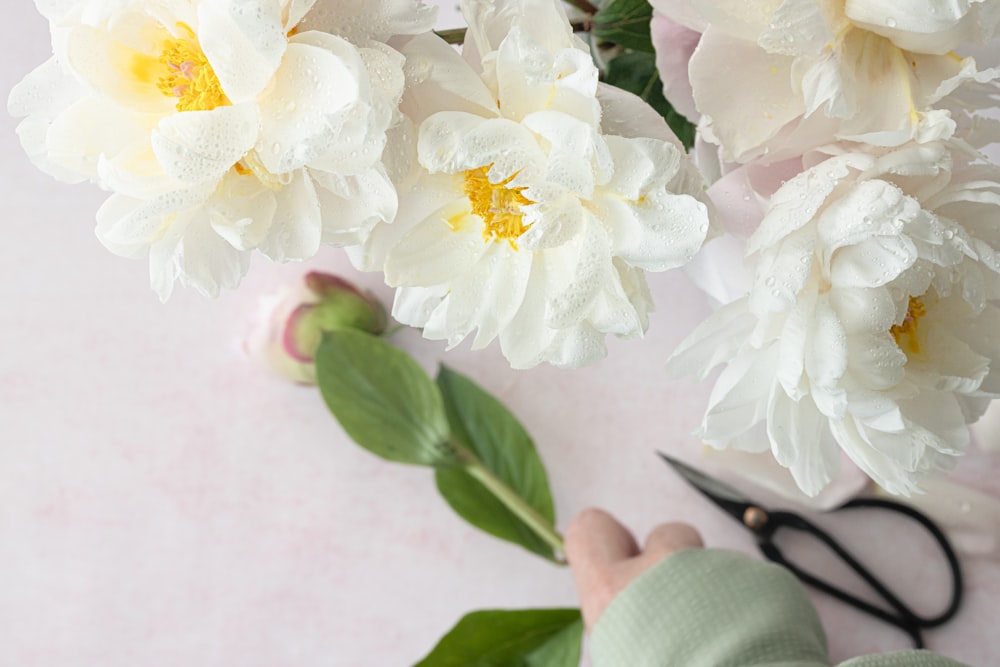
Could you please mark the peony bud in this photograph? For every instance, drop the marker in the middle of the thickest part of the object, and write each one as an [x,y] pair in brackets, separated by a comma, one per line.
[293,320]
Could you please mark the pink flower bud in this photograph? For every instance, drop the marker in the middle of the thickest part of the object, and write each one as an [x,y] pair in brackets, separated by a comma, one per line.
[292,322]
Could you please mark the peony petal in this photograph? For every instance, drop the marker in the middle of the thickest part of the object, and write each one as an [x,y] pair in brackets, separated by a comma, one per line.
[526,341]
[201,146]
[675,44]
[244,40]
[312,84]
[243,210]
[437,250]
[740,396]
[377,20]
[297,227]
[826,359]
[453,142]
[193,254]
[352,205]
[724,68]
[584,270]
[438,79]
[487,298]
[933,26]
[717,339]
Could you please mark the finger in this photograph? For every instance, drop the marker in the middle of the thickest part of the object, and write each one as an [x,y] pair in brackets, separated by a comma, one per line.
[595,539]
[669,538]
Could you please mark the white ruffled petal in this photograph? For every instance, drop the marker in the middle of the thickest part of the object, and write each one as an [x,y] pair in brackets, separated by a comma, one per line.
[312,84]
[442,247]
[724,68]
[200,146]
[297,226]
[244,41]
[371,20]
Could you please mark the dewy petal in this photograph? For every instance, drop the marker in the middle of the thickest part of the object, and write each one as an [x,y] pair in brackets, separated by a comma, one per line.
[129,226]
[798,430]
[294,11]
[433,252]
[244,40]
[351,205]
[873,263]
[826,359]
[576,152]
[243,210]
[675,44]
[715,340]
[103,60]
[88,131]
[782,272]
[761,81]
[193,254]
[542,21]
[371,20]
[795,202]
[199,146]
[297,227]
[584,272]
[438,79]
[312,83]
[933,26]
[740,396]
[649,227]
[453,142]
[486,299]
[530,78]
[42,96]
[745,20]
[526,340]
[626,115]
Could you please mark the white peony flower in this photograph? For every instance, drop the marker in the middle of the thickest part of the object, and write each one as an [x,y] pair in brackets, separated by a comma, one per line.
[221,126]
[870,326]
[541,196]
[808,72]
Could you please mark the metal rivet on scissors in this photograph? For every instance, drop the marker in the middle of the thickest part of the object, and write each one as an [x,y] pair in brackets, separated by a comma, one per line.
[764,523]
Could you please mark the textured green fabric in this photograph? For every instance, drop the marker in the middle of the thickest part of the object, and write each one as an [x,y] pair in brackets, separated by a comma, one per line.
[715,608]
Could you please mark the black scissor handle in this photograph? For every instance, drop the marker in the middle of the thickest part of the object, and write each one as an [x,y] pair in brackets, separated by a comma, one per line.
[904,618]
[943,543]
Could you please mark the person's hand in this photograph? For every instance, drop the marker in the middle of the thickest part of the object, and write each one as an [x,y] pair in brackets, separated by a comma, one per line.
[605,558]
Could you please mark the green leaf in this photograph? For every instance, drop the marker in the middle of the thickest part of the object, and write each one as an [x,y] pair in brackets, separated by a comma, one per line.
[501,638]
[637,73]
[383,399]
[626,23]
[482,424]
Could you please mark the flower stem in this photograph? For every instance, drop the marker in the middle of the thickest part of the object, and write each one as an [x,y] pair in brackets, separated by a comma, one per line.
[584,6]
[452,35]
[541,526]
[457,35]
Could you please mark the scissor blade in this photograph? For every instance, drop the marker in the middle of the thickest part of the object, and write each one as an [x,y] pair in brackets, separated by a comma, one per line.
[723,495]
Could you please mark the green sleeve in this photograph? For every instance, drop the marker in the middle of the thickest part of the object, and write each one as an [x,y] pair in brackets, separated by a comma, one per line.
[716,608]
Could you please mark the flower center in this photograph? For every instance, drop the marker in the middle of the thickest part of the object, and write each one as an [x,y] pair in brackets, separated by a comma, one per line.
[906,333]
[189,77]
[498,206]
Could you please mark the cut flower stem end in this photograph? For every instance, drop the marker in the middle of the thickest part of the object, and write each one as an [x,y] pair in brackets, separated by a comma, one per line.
[538,524]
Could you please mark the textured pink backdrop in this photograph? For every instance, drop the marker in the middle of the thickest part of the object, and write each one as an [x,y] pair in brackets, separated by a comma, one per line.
[164,502]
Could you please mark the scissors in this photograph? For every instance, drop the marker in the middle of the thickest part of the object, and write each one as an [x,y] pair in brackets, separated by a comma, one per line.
[764,524]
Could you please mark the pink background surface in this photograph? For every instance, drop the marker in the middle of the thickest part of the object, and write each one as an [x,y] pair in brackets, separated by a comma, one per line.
[163,501]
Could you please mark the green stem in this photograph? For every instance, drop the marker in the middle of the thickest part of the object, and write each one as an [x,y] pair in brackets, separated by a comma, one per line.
[584,6]
[457,35]
[541,526]
[452,36]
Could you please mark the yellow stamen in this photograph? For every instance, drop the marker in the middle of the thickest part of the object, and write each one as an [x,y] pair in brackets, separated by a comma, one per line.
[188,76]
[906,333]
[498,206]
